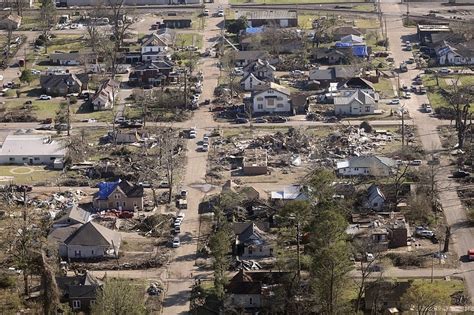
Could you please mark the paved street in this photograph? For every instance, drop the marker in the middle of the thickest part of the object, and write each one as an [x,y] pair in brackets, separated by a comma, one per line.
[462,233]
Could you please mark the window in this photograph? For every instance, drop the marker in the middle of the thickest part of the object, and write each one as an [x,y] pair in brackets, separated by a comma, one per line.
[25,159]
[11,159]
[92,303]
[270,91]
[117,196]
[261,249]
[36,158]
[259,106]
[77,253]
[124,204]
[271,102]
[356,169]
[280,98]
[280,105]
[52,158]
[367,109]
[250,301]
[76,304]
[118,204]
[92,252]
[259,98]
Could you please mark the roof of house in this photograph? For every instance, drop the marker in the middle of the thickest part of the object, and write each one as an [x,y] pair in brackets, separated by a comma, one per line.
[292,192]
[276,87]
[352,39]
[94,234]
[75,214]
[333,73]
[366,161]
[347,30]
[373,192]
[252,235]
[348,96]
[251,55]
[80,286]
[31,145]
[60,234]
[12,17]
[56,80]
[385,291]
[131,191]
[266,14]
[324,52]
[257,65]
[465,49]
[252,282]
[255,80]
[356,83]
[163,37]
[76,56]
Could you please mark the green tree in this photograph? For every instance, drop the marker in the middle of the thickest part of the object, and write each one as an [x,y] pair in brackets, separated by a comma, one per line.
[330,261]
[425,297]
[320,182]
[27,76]
[220,244]
[119,297]
[236,26]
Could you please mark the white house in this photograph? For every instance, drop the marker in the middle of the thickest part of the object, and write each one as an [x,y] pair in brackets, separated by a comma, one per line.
[375,198]
[157,44]
[105,96]
[262,69]
[31,149]
[354,103]
[456,54]
[251,241]
[274,99]
[370,165]
[251,83]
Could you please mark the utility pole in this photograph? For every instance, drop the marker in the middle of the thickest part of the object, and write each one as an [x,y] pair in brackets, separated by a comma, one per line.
[298,248]
[408,11]
[403,127]
[386,33]
[69,116]
[185,88]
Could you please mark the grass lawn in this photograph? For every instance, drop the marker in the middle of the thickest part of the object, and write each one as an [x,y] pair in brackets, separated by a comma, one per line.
[367,23]
[67,43]
[189,39]
[384,87]
[434,94]
[27,174]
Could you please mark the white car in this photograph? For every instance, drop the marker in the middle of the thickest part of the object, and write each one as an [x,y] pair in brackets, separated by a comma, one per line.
[176,242]
[205,12]
[44,97]
[35,72]
[205,147]
[205,139]
[220,13]
[395,101]
[192,134]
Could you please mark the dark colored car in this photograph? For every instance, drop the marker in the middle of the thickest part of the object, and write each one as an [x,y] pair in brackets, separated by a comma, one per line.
[277,119]
[241,120]
[461,174]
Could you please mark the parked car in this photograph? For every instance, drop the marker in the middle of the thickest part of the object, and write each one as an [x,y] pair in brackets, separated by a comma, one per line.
[44,97]
[192,134]
[205,12]
[176,242]
[205,147]
[461,174]
[277,119]
[395,101]
[241,120]
[183,194]
[164,184]
[260,120]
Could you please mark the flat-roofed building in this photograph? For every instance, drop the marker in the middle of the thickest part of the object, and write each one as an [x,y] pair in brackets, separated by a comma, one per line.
[255,162]
[425,32]
[32,149]
[281,18]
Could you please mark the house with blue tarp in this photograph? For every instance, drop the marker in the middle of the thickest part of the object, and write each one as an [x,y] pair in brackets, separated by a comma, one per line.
[254,30]
[119,195]
[360,51]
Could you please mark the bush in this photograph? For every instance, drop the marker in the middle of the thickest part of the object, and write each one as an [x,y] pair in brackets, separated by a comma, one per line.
[406,260]
[73,100]
[6,281]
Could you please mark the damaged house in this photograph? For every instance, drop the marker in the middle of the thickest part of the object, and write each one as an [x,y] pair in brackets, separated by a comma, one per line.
[255,162]
[257,74]
[104,98]
[120,195]
[79,291]
[63,84]
[375,198]
[369,165]
[151,73]
[384,230]
[252,240]
[252,290]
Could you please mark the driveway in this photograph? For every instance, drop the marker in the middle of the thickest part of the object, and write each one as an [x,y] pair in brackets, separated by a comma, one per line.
[462,234]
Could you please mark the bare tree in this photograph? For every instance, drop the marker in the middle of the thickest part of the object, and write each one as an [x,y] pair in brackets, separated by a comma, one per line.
[48,19]
[461,97]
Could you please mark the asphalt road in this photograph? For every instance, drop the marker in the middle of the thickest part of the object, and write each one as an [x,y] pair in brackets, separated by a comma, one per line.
[462,233]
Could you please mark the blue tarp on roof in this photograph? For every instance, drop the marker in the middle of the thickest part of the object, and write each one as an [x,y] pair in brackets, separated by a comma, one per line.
[106,188]
[343,45]
[360,51]
[253,30]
